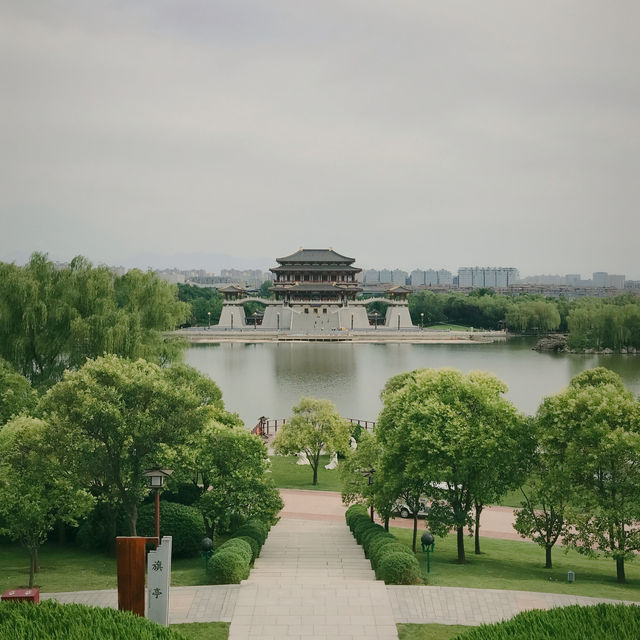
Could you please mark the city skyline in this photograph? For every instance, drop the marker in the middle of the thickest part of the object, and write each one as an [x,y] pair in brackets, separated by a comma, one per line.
[415,135]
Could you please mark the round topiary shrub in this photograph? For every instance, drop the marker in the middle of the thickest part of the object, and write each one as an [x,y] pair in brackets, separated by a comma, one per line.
[242,546]
[184,524]
[379,541]
[399,568]
[384,550]
[358,520]
[371,534]
[255,547]
[599,622]
[354,510]
[360,527]
[57,621]
[251,531]
[227,566]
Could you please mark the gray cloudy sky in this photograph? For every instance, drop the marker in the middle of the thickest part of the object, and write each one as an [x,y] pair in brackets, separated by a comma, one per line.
[404,133]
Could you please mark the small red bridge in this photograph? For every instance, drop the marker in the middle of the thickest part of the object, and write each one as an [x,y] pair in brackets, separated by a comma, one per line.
[267,427]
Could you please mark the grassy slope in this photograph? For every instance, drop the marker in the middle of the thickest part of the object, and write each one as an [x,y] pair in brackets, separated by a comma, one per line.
[509,564]
[286,474]
[69,569]
[430,631]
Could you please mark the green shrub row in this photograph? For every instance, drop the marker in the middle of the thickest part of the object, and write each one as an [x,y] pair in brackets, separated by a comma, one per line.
[600,622]
[393,561]
[55,621]
[231,562]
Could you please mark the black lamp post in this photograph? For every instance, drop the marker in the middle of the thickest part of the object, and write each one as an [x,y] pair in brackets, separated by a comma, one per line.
[209,314]
[375,319]
[422,320]
[369,475]
[156,481]
[255,319]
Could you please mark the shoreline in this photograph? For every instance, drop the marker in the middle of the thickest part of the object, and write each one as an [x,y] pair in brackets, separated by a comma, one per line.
[250,335]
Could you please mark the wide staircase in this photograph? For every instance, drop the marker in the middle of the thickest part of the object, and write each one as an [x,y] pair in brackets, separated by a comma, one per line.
[312,581]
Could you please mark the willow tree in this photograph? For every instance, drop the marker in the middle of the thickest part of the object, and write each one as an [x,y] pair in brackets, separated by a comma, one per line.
[16,393]
[54,319]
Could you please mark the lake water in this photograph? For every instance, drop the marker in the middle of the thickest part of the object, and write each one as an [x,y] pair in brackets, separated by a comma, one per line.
[270,378]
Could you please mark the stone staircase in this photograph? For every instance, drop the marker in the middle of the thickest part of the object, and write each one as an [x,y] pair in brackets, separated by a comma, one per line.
[312,581]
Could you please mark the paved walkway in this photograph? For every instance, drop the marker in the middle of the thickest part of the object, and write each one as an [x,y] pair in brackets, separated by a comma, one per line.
[312,581]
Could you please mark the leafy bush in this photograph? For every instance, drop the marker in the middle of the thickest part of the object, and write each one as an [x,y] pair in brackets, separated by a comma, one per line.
[376,544]
[95,533]
[252,532]
[255,547]
[399,568]
[354,510]
[55,621]
[227,566]
[184,524]
[385,550]
[184,493]
[600,622]
[242,546]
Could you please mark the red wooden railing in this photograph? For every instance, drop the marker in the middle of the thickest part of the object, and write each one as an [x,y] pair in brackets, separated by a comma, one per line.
[266,426]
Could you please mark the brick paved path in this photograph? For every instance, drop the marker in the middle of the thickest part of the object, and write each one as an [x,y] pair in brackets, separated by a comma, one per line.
[312,581]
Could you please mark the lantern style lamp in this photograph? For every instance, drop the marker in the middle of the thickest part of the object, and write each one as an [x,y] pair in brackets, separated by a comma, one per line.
[156,481]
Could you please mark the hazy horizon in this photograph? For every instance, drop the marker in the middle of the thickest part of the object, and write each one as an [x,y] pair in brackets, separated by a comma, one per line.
[409,135]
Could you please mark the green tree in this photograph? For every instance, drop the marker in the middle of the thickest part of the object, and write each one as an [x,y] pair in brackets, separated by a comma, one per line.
[16,393]
[314,427]
[36,490]
[449,427]
[202,301]
[600,422]
[54,319]
[534,316]
[233,464]
[115,418]
[264,290]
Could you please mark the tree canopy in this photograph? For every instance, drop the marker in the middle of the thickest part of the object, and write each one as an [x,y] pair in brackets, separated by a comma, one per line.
[456,434]
[53,319]
[16,393]
[314,427]
[36,489]
[115,418]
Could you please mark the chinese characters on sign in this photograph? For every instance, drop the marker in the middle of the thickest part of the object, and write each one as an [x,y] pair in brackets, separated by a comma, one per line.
[158,578]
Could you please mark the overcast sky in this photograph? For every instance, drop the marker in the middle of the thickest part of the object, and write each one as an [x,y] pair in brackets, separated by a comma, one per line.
[404,133]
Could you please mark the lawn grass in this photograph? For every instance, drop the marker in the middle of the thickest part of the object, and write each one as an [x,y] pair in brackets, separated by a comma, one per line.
[65,568]
[286,474]
[430,631]
[509,564]
[203,630]
[447,327]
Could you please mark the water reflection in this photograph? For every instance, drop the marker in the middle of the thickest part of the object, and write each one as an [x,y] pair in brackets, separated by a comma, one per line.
[269,378]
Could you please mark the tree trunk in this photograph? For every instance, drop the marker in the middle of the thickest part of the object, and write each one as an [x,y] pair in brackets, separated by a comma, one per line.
[547,553]
[132,514]
[415,531]
[620,570]
[113,531]
[36,560]
[477,531]
[33,563]
[315,475]
[386,523]
[460,533]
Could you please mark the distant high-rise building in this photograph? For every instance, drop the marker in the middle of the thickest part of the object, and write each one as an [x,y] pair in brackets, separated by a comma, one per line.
[493,277]
[417,278]
[371,276]
[600,279]
[616,281]
[385,275]
[398,276]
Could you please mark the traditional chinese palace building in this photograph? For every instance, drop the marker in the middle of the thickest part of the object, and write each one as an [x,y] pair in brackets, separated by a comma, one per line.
[315,291]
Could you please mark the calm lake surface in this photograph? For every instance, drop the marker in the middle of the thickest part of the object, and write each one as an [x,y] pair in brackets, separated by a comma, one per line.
[270,378]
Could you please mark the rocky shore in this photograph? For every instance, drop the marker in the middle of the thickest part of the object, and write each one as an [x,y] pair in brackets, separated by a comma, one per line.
[557,343]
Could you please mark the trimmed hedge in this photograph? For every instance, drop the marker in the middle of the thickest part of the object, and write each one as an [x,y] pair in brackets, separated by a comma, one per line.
[394,562]
[399,568]
[55,621]
[255,547]
[242,546]
[184,524]
[599,622]
[227,566]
